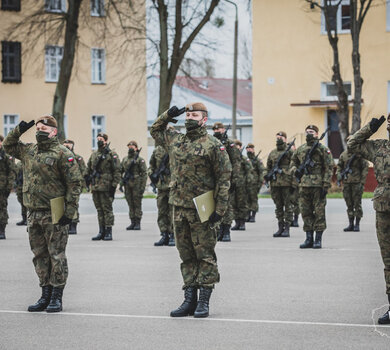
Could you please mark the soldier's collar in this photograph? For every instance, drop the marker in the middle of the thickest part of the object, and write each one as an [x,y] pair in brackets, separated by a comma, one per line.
[196,133]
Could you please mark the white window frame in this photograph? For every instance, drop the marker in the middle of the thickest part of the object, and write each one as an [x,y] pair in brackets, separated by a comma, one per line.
[98,65]
[53,62]
[338,19]
[7,126]
[326,97]
[96,128]
[49,6]
[97,11]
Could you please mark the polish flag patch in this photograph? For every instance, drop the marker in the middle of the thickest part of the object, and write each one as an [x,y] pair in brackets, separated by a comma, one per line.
[70,159]
[222,148]
[115,157]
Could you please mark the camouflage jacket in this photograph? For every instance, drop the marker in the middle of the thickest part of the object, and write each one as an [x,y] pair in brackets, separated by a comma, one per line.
[359,167]
[283,179]
[258,170]
[246,172]
[7,171]
[19,175]
[50,171]
[81,163]
[108,170]
[139,172]
[235,160]
[154,164]
[377,152]
[321,174]
[199,163]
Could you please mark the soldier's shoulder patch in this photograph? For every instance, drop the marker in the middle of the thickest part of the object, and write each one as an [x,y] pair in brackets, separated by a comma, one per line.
[70,159]
[10,157]
[222,148]
[142,161]
[49,161]
[80,158]
[115,156]
[232,145]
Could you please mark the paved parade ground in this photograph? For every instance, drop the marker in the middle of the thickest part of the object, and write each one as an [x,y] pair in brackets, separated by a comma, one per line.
[272,294]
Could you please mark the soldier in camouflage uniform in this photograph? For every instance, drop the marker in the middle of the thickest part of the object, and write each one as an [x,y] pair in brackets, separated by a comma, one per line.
[235,160]
[313,187]
[7,178]
[159,164]
[50,172]
[353,182]
[69,144]
[19,193]
[135,184]
[377,152]
[255,186]
[281,185]
[244,179]
[199,163]
[294,197]
[103,176]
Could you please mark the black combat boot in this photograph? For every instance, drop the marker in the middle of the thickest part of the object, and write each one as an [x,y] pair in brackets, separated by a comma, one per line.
[350,226]
[43,301]
[225,233]
[187,308]
[23,222]
[286,231]
[137,224]
[131,226]
[73,228]
[163,241]
[385,319]
[100,235]
[318,241]
[356,227]
[2,231]
[108,235]
[55,300]
[308,243]
[242,225]
[248,217]
[202,309]
[171,240]
[236,226]
[295,221]
[279,232]
[252,216]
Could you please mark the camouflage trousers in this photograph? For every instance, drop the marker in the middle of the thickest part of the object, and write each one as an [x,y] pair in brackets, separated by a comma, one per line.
[195,242]
[229,213]
[240,205]
[253,200]
[3,207]
[383,234]
[283,209]
[164,215]
[103,204]
[294,198]
[133,197]
[48,243]
[19,195]
[312,208]
[353,198]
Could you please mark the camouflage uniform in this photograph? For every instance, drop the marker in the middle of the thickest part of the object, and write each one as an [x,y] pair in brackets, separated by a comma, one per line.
[199,163]
[50,172]
[19,188]
[135,187]
[353,184]
[255,186]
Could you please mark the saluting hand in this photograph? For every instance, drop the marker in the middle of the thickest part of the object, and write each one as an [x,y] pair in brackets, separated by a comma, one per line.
[174,112]
[375,123]
[23,126]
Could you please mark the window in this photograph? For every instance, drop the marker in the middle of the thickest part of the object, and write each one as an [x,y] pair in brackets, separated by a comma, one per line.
[98,67]
[329,90]
[341,20]
[10,121]
[55,5]
[11,62]
[97,8]
[53,58]
[10,5]
[98,125]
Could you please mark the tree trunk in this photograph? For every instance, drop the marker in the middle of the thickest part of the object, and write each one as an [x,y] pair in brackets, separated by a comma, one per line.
[72,19]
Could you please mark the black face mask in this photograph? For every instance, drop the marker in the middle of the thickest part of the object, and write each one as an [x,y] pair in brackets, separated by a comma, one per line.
[131,151]
[41,136]
[310,138]
[100,143]
[218,135]
[191,124]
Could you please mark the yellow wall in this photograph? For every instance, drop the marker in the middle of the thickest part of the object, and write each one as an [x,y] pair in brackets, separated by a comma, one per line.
[122,100]
[289,47]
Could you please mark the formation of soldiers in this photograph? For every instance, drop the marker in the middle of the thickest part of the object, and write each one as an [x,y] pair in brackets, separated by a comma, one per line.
[182,167]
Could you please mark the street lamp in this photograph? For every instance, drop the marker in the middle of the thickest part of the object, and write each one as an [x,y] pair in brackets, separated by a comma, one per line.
[234,109]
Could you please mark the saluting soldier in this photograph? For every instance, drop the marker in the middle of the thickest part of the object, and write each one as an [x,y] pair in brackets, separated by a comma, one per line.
[199,164]
[69,144]
[255,186]
[19,193]
[352,171]
[103,176]
[281,184]
[134,176]
[377,152]
[235,160]
[50,172]
[7,179]
[313,186]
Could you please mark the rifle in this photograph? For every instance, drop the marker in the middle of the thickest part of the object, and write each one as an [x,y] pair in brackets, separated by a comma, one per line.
[277,169]
[129,171]
[304,168]
[95,172]
[161,170]
[257,155]
[347,170]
